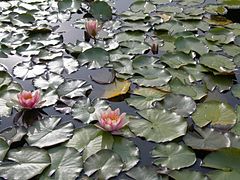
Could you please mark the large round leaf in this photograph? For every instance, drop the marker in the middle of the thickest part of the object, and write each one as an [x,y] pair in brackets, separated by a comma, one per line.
[158,125]
[219,63]
[66,163]
[189,44]
[219,114]
[5,79]
[226,161]
[26,163]
[46,133]
[87,111]
[144,173]
[94,57]
[177,59]
[206,139]
[3,149]
[101,10]
[180,104]
[105,163]
[173,156]
[182,174]
[127,150]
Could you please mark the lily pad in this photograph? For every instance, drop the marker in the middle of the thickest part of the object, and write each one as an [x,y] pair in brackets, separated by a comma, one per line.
[182,105]
[158,125]
[87,111]
[206,139]
[3,148]
[32,161]
[144,173]
[189,44]
[117,88]
[218,63]
[51,81]
[146,97]
[218,114]
[182,174]
[105,164]
[73,88]
[173,156]
[45,133]
[66,163]
[177,59]
[101,10]
[94,57]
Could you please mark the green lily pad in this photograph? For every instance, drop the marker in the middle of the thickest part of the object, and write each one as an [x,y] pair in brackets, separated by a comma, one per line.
[5,79]
[32,161]
[50,81]
[189,44]
[59,65]
[218,114]
[220,35]
[105,164]
[151,76]
[159,126]
[73,88]
[146,97]
[182,174]
[3,148]
[236,90]
[236,128]
[87,111]
[101,10]
[26,70]
[173,156]
[177,59]
[146,7]
[7,95]
[66,163]
[94,57]
[13,134]
[45,133]
[206,139]
[182,105]
[144,173]
[225,161]
[230,3]
[191,2]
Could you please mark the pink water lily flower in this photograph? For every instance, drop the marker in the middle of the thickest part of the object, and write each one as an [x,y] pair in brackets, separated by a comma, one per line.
[91,27]
[28,99]
[112,120]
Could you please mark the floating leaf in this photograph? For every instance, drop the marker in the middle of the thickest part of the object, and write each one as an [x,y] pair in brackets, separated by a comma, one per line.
[177,59]
[159,126]
[5,79]
[32,161]
[191,44]
[7,94]
[51,81]
[45,133]
[101,10]
[216,113]
[118,87]
[236,90]
[146,97]
[173,156]
[180,104]
[144,173]
[13,134]
[182,174]
[105,163]
[220,35]
[73,88]
[95,57]
[219,63]
[66,163]
[151,76]
[88,111]
[206,139]
[225,161]
[146,7]
[58,65]
[26,70]
[3,148]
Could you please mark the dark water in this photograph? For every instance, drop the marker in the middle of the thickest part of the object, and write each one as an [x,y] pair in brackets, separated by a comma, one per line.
[67,30]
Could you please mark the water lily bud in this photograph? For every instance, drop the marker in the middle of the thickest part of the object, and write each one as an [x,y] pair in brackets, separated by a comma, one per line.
[154,47]
[112,120]
[91,27]
[28,99]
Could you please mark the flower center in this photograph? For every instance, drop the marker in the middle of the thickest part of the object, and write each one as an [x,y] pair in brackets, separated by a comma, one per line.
[28,96]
